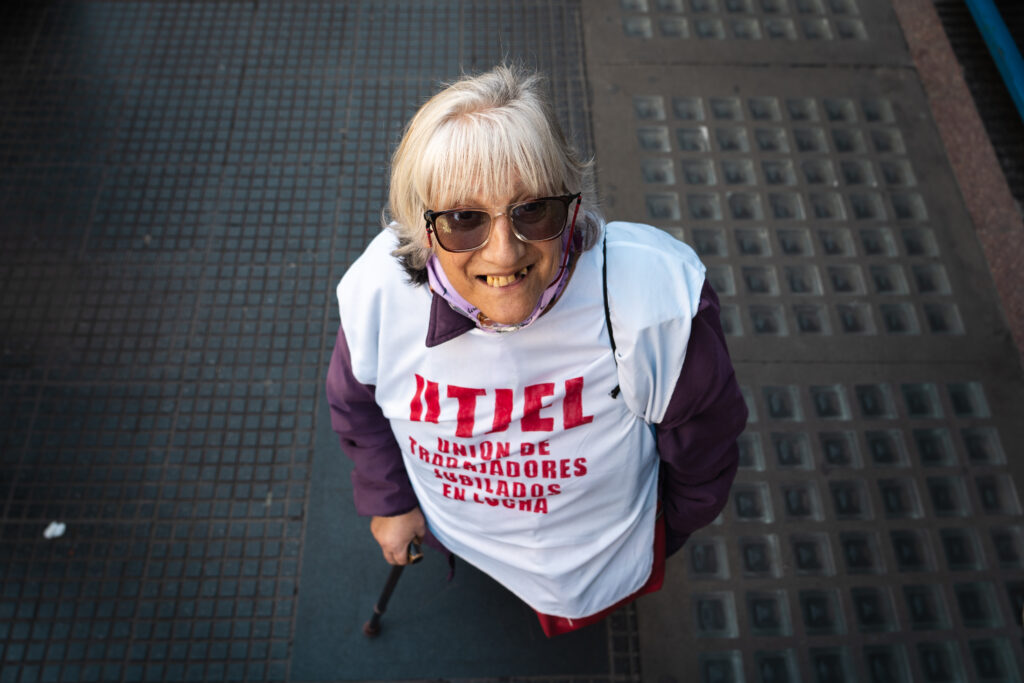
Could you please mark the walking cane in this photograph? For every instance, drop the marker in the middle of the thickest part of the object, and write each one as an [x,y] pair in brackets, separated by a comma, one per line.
[372,627]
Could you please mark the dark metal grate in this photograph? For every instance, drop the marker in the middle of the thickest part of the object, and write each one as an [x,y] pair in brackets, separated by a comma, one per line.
[181,185]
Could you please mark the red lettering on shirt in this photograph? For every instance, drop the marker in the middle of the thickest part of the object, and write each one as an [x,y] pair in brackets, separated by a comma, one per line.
[433,402]
[416,405]
[532,421]
[502,410]
[467,408]
[572,406]
[425,406]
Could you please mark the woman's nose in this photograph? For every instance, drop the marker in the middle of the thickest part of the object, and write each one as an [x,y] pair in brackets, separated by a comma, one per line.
[503,246]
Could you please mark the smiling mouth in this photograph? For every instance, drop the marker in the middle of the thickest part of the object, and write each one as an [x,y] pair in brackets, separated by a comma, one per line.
[504,280]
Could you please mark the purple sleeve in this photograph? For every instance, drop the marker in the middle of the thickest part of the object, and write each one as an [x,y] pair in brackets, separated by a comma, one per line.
[380,485]
[697,436]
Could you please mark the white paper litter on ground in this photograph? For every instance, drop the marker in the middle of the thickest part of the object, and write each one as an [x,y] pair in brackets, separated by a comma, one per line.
[55,530]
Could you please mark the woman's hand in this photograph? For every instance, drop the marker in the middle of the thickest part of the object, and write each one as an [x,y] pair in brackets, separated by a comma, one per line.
[394,534]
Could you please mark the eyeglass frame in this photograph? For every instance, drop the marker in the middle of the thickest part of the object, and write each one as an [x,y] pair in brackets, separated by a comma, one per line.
[431,216]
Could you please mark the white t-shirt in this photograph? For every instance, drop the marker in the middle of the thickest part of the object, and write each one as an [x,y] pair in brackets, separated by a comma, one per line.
[522,462]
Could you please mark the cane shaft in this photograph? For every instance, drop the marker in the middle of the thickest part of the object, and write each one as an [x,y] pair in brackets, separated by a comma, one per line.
[372,627]
[389,588]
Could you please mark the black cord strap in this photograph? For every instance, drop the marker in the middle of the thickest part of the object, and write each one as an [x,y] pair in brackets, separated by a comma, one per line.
[614,393]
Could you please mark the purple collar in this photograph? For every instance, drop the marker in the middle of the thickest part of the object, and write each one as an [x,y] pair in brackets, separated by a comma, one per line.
[445,322]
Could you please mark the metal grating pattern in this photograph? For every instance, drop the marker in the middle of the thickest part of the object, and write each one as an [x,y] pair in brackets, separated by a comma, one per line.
[182,185]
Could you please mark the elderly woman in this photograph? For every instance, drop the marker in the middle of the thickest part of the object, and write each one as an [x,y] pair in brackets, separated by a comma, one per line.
[544,395]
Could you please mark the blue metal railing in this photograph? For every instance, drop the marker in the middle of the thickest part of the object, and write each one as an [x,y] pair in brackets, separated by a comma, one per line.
[1002,47]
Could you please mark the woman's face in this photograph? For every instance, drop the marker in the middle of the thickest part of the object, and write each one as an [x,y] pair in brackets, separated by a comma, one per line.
[506,277]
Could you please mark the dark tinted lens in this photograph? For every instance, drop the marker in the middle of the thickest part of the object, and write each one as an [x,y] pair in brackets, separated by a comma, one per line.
[540,219]
[462,229]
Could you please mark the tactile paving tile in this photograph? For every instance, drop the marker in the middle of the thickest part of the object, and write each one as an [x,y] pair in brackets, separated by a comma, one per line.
[827,220]
[746,32]
[874,532]
[875,529]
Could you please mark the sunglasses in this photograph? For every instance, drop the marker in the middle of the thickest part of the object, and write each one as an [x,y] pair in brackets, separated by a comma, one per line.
[535,220]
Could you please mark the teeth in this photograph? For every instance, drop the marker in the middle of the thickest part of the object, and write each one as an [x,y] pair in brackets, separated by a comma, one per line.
[505,280]
[493,281]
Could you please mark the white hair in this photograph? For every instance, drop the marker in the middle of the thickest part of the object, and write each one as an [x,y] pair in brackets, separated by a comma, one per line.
[482,136]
